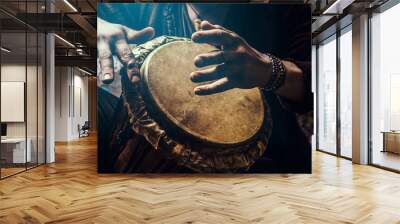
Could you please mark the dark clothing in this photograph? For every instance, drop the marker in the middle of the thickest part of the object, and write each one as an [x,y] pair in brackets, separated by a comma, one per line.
[281,30]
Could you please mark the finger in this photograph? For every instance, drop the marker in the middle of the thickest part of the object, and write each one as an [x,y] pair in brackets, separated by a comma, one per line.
[218,86]
[209,74]
[213,58]
[205,25]
[139,37]
[215,37]
[126,57]
[106,62]
[123,51]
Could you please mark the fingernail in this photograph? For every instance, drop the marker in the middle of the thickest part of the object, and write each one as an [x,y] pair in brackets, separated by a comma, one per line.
[107,76]
[131,64]
[197,91]
[193,76]
[133,72]
[135,79]
[195,36]
[197,61]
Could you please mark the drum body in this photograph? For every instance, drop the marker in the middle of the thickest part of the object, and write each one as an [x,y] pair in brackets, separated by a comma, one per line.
[224,132]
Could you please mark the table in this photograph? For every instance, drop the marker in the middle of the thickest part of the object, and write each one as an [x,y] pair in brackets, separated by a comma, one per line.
[391,141]
[13,150]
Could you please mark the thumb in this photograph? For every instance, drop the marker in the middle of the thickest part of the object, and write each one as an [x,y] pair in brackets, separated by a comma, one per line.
[138,37]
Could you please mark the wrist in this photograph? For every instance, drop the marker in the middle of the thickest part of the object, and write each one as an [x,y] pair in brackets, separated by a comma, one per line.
[277,74]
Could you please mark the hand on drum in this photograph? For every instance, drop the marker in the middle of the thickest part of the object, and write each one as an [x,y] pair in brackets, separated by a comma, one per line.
[114,39]
[236,65]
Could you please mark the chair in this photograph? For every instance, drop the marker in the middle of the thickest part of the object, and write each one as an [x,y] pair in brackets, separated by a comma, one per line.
[84,130]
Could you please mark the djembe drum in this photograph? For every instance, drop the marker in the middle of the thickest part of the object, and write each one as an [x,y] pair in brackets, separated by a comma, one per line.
[224,132]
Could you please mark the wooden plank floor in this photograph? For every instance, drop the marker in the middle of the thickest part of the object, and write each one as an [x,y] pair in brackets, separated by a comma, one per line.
[71,191]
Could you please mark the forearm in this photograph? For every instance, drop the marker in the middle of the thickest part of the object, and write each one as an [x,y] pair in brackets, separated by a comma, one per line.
[293,88]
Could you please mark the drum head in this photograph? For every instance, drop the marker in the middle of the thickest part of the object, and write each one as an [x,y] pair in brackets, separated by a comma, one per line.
[232,117]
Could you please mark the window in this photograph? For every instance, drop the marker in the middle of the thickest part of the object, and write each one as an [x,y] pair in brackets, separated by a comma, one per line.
[22,75]
[345,43]
[385,88]
[333,106]
[314,90]
[327,95]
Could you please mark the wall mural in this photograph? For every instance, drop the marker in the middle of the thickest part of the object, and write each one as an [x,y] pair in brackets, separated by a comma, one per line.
[204,88]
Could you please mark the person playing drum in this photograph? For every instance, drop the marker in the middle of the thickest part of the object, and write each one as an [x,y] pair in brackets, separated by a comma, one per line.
[252,42]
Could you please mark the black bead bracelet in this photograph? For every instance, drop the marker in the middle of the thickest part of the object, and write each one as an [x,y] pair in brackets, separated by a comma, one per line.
[278,75]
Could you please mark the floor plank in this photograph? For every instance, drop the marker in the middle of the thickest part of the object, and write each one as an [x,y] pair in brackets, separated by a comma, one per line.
[71,191]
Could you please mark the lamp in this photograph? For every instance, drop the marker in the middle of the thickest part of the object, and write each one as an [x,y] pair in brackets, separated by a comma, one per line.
[64,40]
[337,7]
[5,50]
[84,71]
[70,5]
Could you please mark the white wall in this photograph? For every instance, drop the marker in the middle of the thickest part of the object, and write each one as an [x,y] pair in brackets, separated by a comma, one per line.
[80,110]
[61,104]
[16,73]
[71,102]
[9,73]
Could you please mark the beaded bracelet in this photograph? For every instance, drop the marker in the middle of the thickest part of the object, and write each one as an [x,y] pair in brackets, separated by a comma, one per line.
[278,75]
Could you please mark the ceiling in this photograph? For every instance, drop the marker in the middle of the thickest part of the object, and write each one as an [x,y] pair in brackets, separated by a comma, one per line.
[332,15]
[15,42]
[72,20]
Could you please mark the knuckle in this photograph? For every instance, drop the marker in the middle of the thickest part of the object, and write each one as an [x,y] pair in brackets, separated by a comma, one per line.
[234,35]
[219,55]
[101,38]
[219,33]
[198,58]
[241,51]
[236,39]
[110,32]
[125,53]
[201,57]
[118,30]
[132,66]
[104,54]
[220,69]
